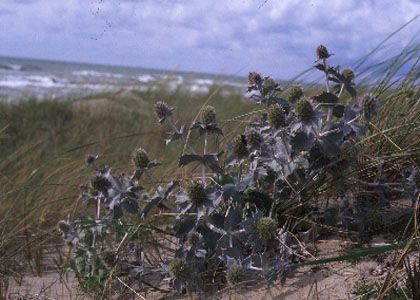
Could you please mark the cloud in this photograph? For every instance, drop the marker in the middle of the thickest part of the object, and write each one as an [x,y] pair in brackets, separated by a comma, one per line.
[232,36]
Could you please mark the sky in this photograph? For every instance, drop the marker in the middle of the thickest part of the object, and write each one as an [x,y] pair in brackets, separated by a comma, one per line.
[274,37]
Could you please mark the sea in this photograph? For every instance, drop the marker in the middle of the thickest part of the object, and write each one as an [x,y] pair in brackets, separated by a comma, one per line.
[23,78]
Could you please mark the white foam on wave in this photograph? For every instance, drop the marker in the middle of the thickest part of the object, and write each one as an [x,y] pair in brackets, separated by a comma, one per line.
[91,73]
[204,81]
[10,67]
[176,79]
[145,78]
[196,88]
[36,81]
[14,83]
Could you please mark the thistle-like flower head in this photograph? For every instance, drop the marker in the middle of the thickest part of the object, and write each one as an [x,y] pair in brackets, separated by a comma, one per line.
[269,83]
[276,116]
[369,107]
[295,93]
[193,238]
[109,258]
[240,146]
[90,159]
[64,226]
[322,52]
[254,78]
[304,110]
[100,183]
[236,274]
[178,269]
[141,158]
[348,74]
[254,138]
[373,220]
[208,115]
[162,111]
[265,228]
[196,192]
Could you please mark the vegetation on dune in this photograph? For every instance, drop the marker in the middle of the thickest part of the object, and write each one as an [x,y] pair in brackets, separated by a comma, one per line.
[210,190]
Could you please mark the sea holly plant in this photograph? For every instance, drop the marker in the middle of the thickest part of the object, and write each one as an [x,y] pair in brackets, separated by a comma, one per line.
[230,221]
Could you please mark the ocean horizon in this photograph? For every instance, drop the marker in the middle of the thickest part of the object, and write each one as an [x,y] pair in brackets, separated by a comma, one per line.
[27,78]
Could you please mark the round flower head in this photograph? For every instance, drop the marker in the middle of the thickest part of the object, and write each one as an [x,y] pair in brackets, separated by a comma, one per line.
[276,116]
[322,52]
[90,159]
[348,74]
[254,78]
[193,238]
[269,83]
[254,138]
[265,228]
[64,226]
[178,269]
[100,183]
[236,274]
[109,258]
[240,146]
[196,192]
[304,110]
[162,110]
[208,115]
[141,158]
[373,220]
[369,107]
[295,93]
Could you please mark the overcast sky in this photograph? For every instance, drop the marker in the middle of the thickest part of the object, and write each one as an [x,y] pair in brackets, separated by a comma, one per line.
[276,37]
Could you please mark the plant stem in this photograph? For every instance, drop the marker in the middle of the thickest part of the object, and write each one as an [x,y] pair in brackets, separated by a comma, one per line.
[288,154]
[98,209]
[203,166]
[326,75]
[97,218]
[341,90]
[329,115]
[240,172]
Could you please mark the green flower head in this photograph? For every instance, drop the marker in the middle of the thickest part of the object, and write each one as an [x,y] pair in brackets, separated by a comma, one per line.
[254,138]
[304,110]
[236,274]
[373,220]
[196,192]
[208,115]
[240,146]
[100,183]
[295,93]
[265,228]
[178,269]
[64,226]
[193,238]
[141,158]
[276,116]
[348,74]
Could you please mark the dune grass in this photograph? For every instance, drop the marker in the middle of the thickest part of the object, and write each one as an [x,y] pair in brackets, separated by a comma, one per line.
[43,145]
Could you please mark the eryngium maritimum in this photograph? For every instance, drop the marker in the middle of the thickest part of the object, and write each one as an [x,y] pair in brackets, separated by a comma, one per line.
[322,52]
[304,110]
[163,110]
